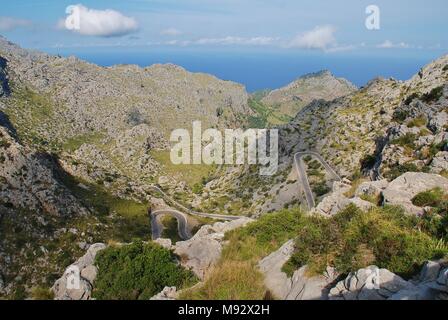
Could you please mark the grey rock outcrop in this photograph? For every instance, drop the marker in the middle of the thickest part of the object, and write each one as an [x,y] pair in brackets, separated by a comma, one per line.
[371,283]
[371,188]
[29,180]
[440,162]
[402,190]
[271,266]
[77,281]
[204,249]
[298,287]
[336,201]
[432,284]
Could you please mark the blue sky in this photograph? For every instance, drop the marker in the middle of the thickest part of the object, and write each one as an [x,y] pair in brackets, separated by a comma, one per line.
[405,24]
[260,43]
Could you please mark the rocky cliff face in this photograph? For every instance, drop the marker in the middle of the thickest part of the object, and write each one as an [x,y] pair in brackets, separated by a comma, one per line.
[86,97]
[28,180]
[104,123]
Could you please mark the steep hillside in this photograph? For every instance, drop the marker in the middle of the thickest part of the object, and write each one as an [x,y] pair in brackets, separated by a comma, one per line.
[287,101]
[111,125]
[386,128]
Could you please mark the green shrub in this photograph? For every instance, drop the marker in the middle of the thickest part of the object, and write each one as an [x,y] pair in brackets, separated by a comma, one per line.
[368,161]
[398,170]
[399,116]
[406,140]
[411,98]
[276,227]
[430,198]
[445,68]
[137,271]
[198,188]
[434,95]
[353,239]
[321,188]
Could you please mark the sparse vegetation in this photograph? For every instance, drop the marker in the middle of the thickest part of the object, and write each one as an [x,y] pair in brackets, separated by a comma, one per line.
[419,121]
[398,170]
[406,140]
[433,95]
[246,246]
[192,174]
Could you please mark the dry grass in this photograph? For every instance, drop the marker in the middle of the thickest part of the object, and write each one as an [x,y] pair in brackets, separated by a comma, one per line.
[230,280]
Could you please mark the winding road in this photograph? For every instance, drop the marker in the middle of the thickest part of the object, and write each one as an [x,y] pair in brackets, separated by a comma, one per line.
[182,218]
[301,172]
[182,223]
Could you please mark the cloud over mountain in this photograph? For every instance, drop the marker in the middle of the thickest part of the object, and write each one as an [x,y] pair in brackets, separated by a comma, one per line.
[321,37]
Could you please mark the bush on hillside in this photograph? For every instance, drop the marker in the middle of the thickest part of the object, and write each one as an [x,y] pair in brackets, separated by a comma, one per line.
[353,239]
[137,271]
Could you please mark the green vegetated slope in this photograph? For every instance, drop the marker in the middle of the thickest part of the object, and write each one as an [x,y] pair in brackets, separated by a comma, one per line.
[350,240]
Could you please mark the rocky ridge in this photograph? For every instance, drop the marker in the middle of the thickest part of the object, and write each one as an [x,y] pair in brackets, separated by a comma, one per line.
[315,86]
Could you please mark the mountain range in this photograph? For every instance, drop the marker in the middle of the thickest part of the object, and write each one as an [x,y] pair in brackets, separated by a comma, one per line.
[84,158]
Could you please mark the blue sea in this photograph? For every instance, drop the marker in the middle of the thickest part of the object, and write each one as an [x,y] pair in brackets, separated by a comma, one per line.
[259,70]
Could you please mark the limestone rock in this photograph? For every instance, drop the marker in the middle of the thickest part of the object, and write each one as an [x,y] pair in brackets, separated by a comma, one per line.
[77,281]
[300,286]
[168,293]
[438,122]
[203,250]
[371,188]
[440,162]
[276,280]
[166,243]
[370,283]
[407,186]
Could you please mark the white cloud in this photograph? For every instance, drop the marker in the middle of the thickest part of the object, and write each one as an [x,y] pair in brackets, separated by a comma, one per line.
[171,32]
[321,37]
[9,23]
[102,23]
[348,47]
[390,45]
[230,40]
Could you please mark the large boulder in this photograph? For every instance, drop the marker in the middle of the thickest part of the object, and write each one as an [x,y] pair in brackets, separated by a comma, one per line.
[432,284]
[370,283]
[203,250]
[77,281]
[300,286]
[271,266]
[402,190]
[336,202]
[304,287]
[438,122]
[371,188]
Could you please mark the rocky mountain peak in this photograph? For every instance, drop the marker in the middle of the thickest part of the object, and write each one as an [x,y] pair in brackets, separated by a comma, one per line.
[313,86]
